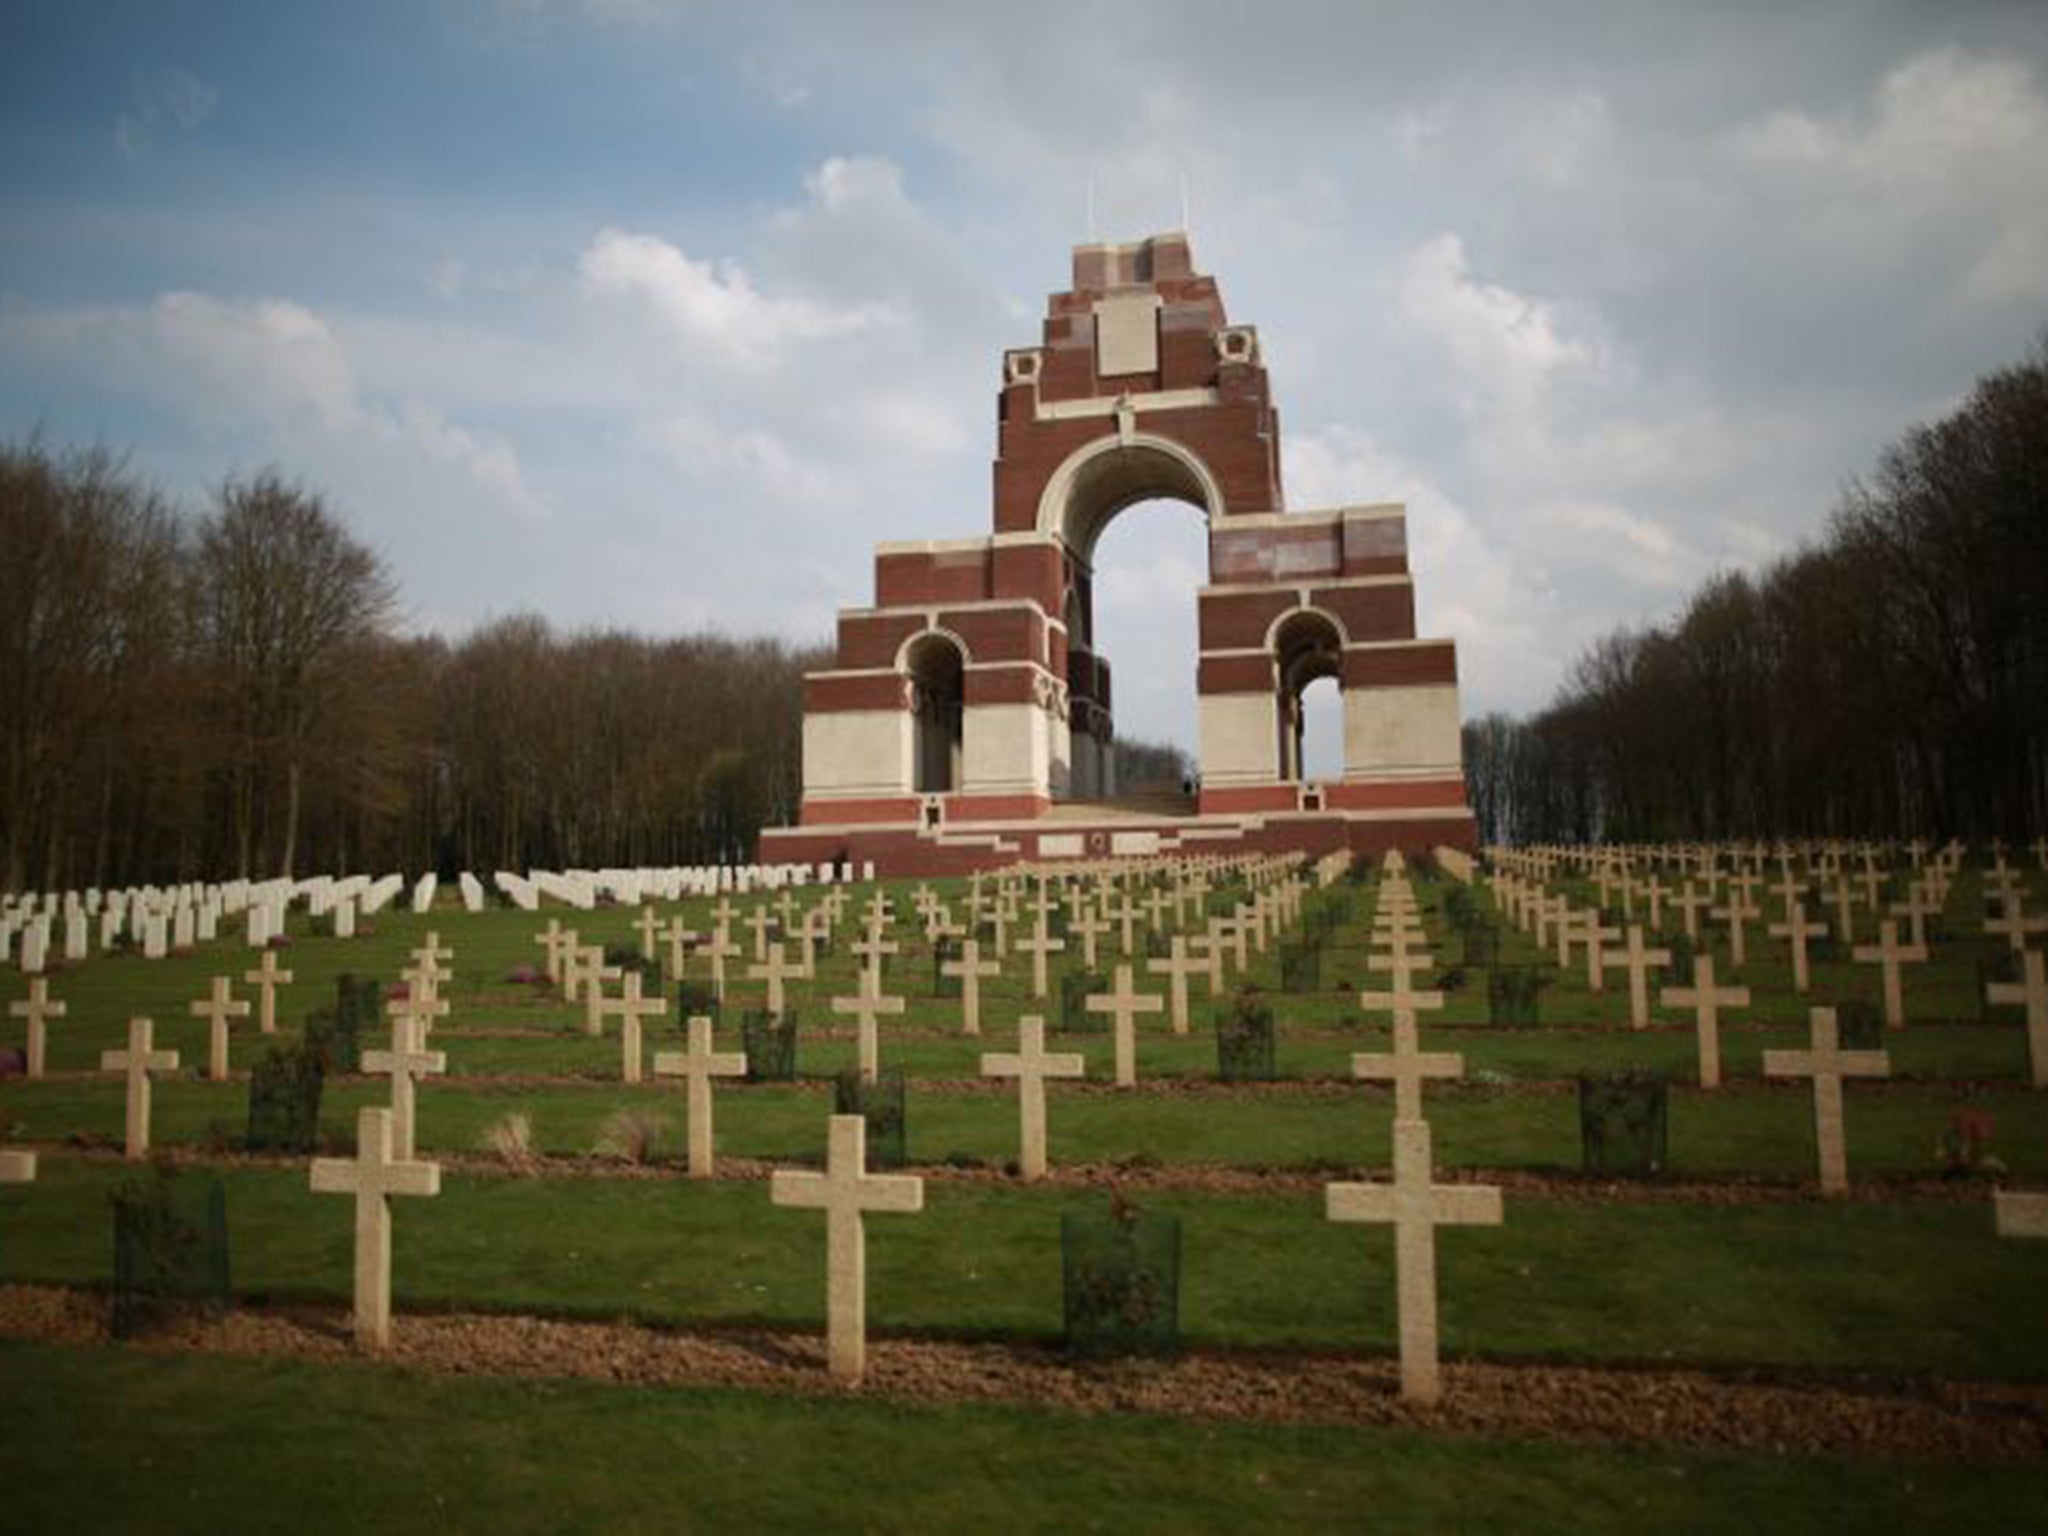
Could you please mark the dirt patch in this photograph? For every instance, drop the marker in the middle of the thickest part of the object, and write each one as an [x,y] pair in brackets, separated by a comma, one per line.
[1133,1175]
[1945,1421]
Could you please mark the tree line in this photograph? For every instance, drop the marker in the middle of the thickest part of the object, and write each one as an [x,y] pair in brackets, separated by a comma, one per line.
[1888,679]
[201,694]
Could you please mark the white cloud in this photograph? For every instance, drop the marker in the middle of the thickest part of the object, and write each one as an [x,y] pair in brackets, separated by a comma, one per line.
[1950,149]
[1502,342]
[708,450]
[714,303]
[844,181]
[1470,583]
[174,97]
[269,371]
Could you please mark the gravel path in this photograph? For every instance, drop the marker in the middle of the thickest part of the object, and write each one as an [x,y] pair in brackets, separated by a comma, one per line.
[1946,1421]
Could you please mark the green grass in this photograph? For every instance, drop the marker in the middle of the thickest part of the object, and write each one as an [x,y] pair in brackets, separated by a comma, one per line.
[1895,1288]
[1745,1130]
[1911,1288]
[161,1443]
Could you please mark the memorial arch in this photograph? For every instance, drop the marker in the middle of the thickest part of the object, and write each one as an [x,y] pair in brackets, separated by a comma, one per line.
[967,708]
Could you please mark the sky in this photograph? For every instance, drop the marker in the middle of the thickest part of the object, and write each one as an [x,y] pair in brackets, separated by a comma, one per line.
[660,316]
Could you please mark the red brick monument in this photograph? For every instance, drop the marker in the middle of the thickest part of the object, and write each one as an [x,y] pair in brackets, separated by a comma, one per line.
[966,723]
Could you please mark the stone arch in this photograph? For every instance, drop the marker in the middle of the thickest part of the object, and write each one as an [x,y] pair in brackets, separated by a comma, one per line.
[1084,494]
[934,665]
[1099,480]
[1307,645]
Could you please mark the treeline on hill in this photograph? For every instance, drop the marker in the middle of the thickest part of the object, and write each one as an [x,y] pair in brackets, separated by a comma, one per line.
[1143,765]
[1890,680]
[188,696]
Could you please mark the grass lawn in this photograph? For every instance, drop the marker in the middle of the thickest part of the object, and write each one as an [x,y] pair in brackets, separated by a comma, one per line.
[1893,1288]
[1904,1288]
[162,1443]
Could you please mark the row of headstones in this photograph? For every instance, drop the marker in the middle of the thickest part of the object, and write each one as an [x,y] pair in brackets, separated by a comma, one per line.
[1551,919]
[165,922]
[413,1010]
[170,920]
[581,972]
[1926,897]
[385,1166]
[584,889]
[1825,857]
[1824,877]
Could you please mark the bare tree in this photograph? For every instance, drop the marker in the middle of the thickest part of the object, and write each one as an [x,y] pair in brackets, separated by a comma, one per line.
[285,600]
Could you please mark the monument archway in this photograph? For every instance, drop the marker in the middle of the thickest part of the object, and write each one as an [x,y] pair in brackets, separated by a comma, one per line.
[1140,388]
[1132,641]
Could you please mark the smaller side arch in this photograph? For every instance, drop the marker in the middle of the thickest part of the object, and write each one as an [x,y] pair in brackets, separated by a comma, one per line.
[931,631]
[934,665]
[1307,646]
[1306,611]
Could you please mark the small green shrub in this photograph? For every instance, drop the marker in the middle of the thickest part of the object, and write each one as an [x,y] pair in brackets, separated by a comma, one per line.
[1245,1050]
[1624,1123]
[1121,1281]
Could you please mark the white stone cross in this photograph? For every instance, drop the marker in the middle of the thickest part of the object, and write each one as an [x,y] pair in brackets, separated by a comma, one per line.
[698,1065]
[1889,953]
[775,970]
[406,1060]
[1637,960]
[1795,931]
[1736,914]
[595,973]
[1406,1065]
[1845,910]
[675,934]
[555,939]
[1416,1207]
[2032,992]
[970,968]
[1402,1003]
[2013,1214]
[866,1004]
[267,978]
[428,959]
[37,1009]
[1706,1000]
[217,1008]
[138,1061]
[420,1005]
[1177,968]
[846,1192]
[373,1177]
[1594,934]
[1689,902]
[1090,927]
[631,1008]
[872,951]
[720,949]
[1031,1064]
[1124,1005]
[649,929]
[1038,946]
[2012,923]
[1125,915]
[1827,1064]
[1916,909]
